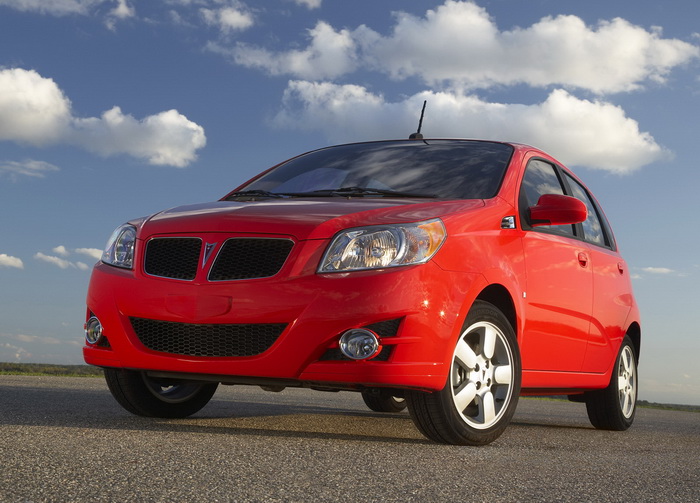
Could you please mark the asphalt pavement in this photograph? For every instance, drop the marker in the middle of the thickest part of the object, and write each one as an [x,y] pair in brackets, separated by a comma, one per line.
[67,440]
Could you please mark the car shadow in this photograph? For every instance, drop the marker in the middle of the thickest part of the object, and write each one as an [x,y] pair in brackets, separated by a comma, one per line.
[96,409]
[245,410]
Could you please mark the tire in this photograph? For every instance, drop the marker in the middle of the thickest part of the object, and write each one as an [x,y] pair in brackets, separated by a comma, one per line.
[380,400]
[614,407]
[481,394]
[151,397]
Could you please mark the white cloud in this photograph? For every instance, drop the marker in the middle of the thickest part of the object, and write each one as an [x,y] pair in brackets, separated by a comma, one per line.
[53,7]
[459,45]
[11,352]
[34,110]
[121,12]
[28,167]
[35,339]
[9,261]
[578,132]
[61,254]
[61,250]
[57,261]
[330,54]
[228,19]
[658,270]
[37,349]
[341,111]
[90,252]
[19,347]
[167,138]
[309,4]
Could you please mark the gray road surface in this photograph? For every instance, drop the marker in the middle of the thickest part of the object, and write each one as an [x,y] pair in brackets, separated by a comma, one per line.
[66,439]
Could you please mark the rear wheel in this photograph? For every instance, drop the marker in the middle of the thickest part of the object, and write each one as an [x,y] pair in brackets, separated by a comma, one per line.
[380,400]
[479,399]
[152,397]
[613,408]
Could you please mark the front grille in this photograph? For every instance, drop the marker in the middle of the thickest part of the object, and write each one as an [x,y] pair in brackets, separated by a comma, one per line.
[239,258]
[215,340]
[248,258]
[175,258]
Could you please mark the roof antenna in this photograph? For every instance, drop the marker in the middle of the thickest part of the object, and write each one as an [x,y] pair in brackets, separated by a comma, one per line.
[417,135]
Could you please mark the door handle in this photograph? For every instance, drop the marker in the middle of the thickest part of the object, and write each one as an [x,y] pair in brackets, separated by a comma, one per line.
[582,259]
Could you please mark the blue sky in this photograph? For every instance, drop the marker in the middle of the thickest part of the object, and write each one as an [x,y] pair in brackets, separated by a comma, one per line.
[115,109]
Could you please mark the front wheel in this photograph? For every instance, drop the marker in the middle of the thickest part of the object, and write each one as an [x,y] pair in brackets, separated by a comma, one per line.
[481,394]
[151,397]
[613,408]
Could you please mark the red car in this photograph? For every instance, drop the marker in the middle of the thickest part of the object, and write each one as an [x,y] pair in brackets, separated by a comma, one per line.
[449,276]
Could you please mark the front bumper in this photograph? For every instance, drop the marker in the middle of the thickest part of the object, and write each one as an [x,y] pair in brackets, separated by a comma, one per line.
[424,303]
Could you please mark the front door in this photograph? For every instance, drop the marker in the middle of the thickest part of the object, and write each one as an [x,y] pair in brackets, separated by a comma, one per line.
[559,294]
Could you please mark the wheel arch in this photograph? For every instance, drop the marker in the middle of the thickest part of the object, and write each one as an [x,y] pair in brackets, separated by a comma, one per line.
[499,296]
[635,334]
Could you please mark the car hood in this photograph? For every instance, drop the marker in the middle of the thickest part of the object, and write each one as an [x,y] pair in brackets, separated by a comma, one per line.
[300,218]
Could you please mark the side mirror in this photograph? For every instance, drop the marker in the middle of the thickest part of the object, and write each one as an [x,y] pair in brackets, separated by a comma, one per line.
[555,209]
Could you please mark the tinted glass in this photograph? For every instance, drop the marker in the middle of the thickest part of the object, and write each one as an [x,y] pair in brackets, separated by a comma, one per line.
[540,179]
[592,228]
[439,168]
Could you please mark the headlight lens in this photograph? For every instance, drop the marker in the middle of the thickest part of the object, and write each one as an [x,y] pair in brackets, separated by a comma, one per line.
[383,246]
[119,251]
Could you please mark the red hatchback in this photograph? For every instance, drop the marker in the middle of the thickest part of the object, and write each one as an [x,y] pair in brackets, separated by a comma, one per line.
[449,276]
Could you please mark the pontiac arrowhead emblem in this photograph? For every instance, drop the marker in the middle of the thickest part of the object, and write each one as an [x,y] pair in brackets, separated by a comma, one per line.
[208,248]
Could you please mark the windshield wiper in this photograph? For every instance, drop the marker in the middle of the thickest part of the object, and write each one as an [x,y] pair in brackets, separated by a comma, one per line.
[360,192]
[252,194]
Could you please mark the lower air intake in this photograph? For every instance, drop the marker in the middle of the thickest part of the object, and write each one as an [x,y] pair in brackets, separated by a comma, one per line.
[215,340]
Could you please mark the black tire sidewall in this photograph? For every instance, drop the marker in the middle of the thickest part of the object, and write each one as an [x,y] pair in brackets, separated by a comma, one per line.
[382,401]
[129,388]
[603,405]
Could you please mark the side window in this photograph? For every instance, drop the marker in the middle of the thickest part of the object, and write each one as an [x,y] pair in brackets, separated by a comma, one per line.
[541,178]
[593,230]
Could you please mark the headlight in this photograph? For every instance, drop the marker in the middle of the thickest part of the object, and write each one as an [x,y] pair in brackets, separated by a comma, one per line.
[119,251]
[382,246]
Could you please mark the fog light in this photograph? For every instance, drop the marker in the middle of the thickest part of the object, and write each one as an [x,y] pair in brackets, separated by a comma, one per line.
[359,344]
[93,330]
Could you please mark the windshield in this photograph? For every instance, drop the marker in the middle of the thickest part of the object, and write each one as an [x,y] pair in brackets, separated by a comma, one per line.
[454,169]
